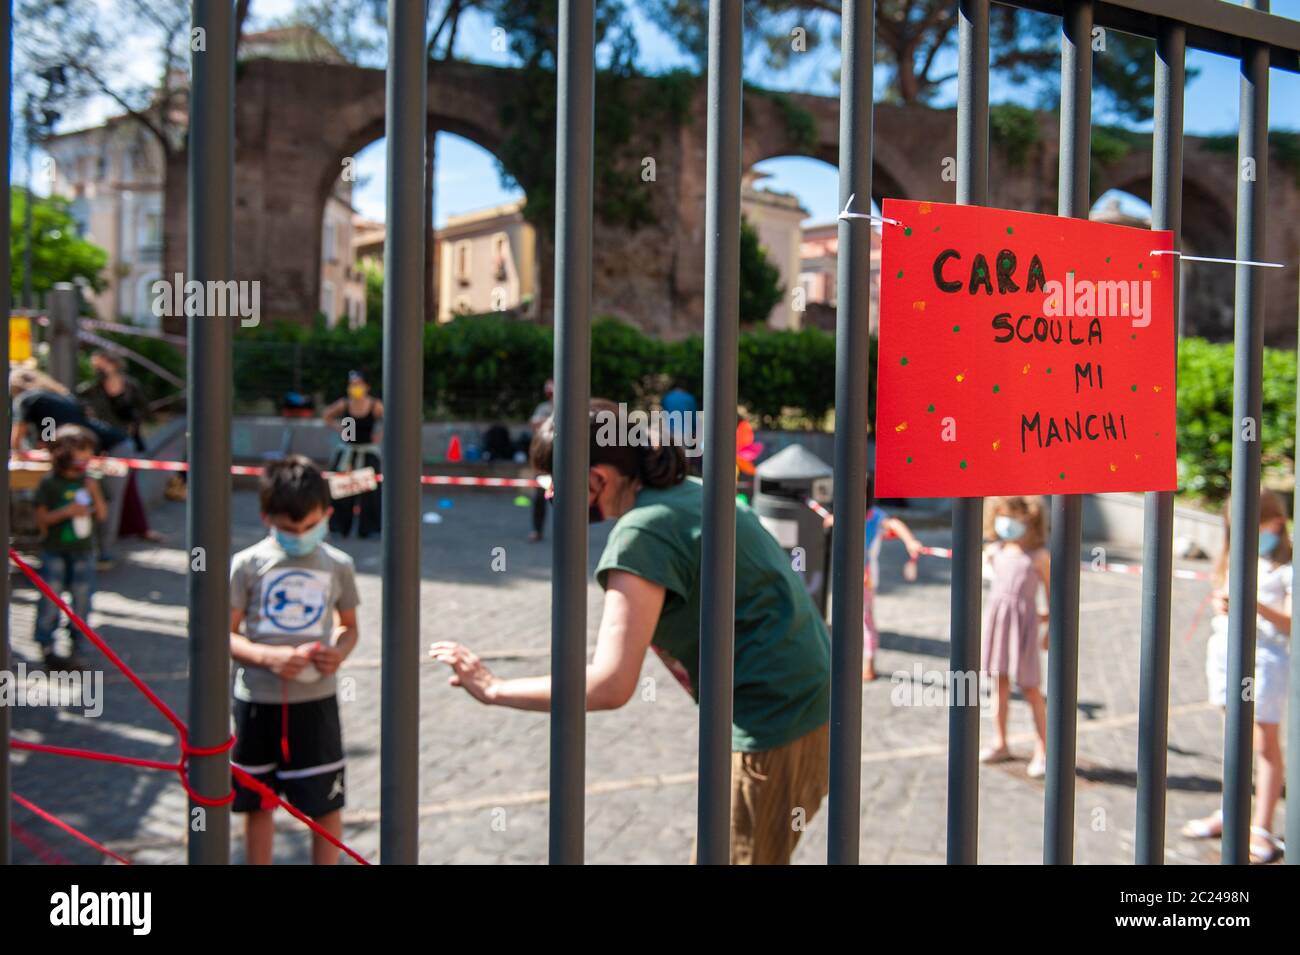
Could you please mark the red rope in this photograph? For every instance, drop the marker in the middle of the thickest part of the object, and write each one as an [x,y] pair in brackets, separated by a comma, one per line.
[181,766]
[56,821]
[38,846]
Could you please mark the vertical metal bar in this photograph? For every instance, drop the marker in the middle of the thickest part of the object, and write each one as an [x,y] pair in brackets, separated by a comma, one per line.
[1247,404]
[405,94]
[852,376]
[6,40]
[1067,509]
[1158,521]
[967,512]
[207,511]
[721,336]
[575,158]
[64,302]
[1293,708]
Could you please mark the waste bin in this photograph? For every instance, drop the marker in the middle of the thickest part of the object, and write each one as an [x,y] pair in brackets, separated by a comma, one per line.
[783,485]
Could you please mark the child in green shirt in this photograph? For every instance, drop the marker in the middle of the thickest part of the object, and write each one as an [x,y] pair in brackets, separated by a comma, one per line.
[68,505]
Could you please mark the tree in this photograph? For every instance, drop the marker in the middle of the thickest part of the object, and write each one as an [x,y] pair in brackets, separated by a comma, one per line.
[59,253]
[915,40]
[760,280]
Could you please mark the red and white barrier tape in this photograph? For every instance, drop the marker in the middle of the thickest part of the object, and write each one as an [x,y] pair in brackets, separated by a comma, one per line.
[119,466]
[1100,567]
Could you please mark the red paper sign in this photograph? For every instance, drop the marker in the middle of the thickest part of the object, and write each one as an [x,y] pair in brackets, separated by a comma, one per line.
[1022,354]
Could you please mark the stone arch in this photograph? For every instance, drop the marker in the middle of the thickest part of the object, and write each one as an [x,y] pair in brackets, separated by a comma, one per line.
[294,125]
[1208,228]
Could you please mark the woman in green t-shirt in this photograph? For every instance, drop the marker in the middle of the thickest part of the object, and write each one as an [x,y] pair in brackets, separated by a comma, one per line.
[650,571]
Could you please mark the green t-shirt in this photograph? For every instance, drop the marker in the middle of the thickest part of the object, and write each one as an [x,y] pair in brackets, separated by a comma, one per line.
[74,535]
[783,654]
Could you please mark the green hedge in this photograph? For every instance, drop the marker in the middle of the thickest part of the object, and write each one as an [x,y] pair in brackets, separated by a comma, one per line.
[1205,418]
[492,367]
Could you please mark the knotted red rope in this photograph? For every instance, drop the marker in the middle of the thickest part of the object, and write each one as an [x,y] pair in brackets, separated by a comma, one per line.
[181,766]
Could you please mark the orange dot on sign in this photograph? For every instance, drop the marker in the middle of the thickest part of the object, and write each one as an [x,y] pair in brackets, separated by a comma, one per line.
[1025,370]
[925,208]
[901,427]
[1113,467]
[997,444]
[1155,388]
[1136,456]
[918,306]
[1155,273]
[961,376]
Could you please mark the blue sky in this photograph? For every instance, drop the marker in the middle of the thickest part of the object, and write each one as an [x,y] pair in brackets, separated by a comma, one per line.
[467,178]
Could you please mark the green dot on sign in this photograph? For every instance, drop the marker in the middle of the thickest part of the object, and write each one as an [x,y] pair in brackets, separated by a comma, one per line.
[907,230]
[900,273]
[1139,265]
[909,459]
[996,389]
[931,408]
[1132,387]
[963,465]
[902,361]
[1062,475]
[1134,336]
[1108,258]
[1010,231]
[1049,371]
[1006,263]
[956,328]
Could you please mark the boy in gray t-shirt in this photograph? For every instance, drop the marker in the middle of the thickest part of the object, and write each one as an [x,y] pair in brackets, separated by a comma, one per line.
[295,599]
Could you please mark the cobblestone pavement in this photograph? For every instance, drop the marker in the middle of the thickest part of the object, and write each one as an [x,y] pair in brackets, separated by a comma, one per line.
[483,770]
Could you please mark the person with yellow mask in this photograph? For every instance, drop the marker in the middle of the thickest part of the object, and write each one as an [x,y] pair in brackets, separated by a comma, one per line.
[358,419]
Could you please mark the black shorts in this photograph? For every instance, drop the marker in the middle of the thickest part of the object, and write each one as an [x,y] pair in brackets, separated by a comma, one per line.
[312,778]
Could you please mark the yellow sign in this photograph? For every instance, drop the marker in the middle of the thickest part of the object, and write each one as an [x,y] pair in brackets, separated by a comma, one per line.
[20,338]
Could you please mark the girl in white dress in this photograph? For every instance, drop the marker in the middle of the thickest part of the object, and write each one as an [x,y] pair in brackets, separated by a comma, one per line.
[1272,665]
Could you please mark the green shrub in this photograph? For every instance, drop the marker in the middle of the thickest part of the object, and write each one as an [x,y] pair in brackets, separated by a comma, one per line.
[1014,129]
[492,367]
[1205,417]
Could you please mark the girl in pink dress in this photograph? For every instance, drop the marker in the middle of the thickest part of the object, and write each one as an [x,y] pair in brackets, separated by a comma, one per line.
[1013,635]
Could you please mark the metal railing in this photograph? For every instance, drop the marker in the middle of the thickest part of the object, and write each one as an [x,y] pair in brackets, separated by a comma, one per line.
[1259,41]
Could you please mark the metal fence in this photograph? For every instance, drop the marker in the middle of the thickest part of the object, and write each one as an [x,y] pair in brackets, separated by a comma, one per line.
[1259,41]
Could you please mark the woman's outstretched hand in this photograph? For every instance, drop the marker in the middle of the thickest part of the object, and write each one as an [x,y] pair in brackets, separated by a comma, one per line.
[468,671]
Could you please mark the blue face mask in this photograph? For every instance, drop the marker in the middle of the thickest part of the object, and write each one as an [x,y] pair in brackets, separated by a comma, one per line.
[1008,528]
[1268,541]
[300,545]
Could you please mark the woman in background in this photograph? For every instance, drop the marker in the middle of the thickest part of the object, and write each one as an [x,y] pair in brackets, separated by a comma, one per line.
[358,418]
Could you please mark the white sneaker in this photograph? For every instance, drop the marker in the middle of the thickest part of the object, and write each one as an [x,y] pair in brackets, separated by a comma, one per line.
[1037,767]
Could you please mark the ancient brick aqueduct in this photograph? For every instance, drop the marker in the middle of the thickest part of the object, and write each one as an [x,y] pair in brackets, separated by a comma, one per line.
[297,122]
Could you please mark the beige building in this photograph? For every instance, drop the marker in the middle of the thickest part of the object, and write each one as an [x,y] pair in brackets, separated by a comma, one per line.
[777,217]
[819,267]
[112,175]
[487,262]
[342,284]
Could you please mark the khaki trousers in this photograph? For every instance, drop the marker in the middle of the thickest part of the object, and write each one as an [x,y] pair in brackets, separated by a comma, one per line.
[774,795]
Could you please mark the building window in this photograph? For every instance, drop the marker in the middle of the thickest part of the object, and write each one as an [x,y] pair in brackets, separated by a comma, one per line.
[500,252]
[461,257]
[151,237]
[328,243]
[327,302]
